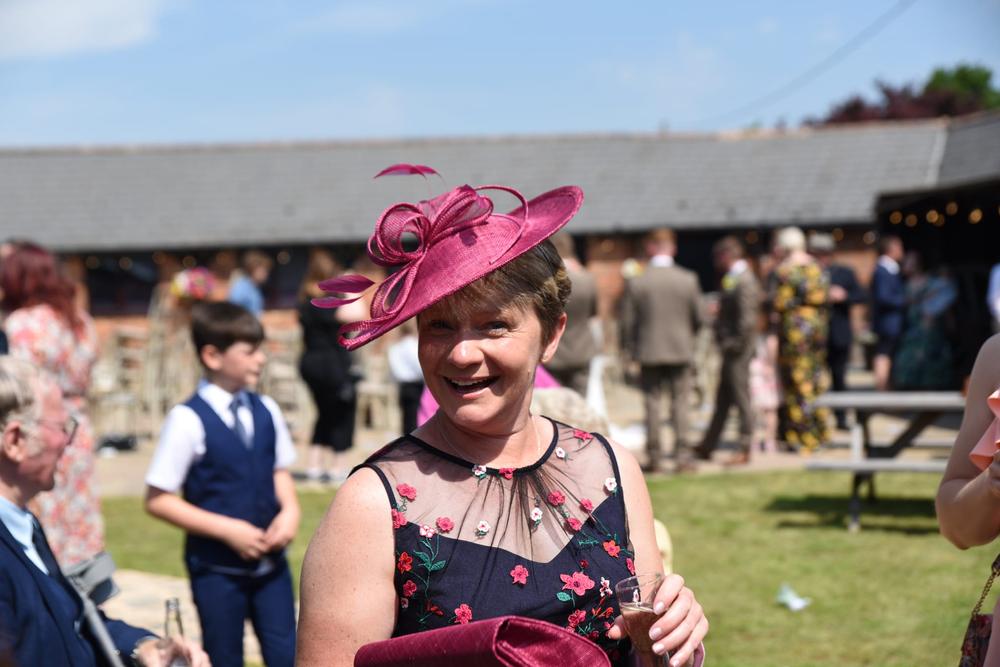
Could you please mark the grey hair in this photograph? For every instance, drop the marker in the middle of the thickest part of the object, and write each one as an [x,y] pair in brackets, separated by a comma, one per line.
[19,385]
[790,239]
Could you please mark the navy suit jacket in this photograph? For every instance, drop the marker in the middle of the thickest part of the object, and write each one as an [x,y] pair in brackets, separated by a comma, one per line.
[35,628]
[840,335]
[888,303]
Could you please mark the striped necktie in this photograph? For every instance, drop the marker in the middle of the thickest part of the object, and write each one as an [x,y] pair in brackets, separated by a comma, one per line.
[238,427]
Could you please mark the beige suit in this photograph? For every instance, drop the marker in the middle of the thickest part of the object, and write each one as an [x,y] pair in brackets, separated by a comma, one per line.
[571,363]
[661,316]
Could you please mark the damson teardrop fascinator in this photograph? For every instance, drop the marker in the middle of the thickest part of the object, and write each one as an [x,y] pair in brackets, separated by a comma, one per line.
[436,247]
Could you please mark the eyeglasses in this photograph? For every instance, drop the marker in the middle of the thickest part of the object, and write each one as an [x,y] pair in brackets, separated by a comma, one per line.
[68,427]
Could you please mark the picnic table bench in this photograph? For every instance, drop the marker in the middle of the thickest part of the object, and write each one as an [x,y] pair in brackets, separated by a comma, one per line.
[867,457]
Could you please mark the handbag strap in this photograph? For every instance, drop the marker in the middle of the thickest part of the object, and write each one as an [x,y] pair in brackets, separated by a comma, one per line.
[989,584]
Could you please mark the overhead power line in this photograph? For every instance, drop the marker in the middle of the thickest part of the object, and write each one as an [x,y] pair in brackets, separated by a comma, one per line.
[836,56]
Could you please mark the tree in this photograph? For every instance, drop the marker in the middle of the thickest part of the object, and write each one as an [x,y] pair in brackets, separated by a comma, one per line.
[958,91]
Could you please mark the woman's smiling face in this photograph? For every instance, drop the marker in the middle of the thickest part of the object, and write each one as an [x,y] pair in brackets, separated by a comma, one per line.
[480,364]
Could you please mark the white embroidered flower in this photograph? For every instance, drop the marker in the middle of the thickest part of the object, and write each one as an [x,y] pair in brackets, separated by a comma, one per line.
[482,528]
[404,603]
[479,471]
[611,484]
[426,531]
[536,515]
[605,587]
[560,452]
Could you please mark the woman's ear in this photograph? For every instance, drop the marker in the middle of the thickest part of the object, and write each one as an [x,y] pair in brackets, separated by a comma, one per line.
[550,348]
[13,439]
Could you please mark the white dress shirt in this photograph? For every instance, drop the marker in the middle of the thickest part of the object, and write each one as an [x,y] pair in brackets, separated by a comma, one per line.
[182,438]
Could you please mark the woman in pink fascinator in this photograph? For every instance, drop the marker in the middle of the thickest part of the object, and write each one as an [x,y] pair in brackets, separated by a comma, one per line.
[968,500]
[486,510]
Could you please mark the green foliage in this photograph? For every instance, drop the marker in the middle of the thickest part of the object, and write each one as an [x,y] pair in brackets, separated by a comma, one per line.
[970,82]
[895,594]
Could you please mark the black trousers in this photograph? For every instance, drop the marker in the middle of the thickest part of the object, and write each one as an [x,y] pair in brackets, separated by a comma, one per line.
[836,358]
[409,403]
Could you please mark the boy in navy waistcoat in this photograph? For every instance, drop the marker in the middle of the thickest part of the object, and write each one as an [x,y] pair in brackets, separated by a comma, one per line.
[220,472]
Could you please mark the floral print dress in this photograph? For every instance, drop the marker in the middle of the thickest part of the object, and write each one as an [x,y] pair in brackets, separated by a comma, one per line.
[70,513]
[547,541]
[799,299]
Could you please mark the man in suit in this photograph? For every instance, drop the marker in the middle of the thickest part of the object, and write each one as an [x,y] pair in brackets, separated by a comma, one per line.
[736,335]
[888,307]
[41,614]
[571,363]
[844,293]
[661,316]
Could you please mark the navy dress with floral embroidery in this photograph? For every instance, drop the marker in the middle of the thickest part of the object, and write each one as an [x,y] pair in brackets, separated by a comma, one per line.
[547,541]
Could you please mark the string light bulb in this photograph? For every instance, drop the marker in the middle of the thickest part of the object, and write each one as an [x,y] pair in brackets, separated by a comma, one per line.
[951,208]
[895,217]
[932,216]
[975,215]
[911,220]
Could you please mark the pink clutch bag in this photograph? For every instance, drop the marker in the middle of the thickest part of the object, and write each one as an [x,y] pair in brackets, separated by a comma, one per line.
[507,640]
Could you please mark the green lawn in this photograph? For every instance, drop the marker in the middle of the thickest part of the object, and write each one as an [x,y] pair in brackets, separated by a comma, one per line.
[894,594]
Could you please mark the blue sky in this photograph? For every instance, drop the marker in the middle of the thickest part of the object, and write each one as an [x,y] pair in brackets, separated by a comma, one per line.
[167,71]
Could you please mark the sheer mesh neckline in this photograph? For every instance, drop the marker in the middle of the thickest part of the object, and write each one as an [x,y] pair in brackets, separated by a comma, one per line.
[491,470]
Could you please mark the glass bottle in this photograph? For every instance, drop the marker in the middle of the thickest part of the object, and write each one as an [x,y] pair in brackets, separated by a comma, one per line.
[173,628]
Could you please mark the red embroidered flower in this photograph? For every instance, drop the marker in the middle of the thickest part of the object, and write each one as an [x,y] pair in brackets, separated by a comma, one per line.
[612,548]
[463,614]
[577,617]
[573,524]
[409,588]
[434,609]
[556,498]
[507,473]
[398,519]
[519,574]
[405,563]
[630,565]
[584,564]
[582,435]
[586,505]
[445,524]
[594,635]
[407,491]
[578,582]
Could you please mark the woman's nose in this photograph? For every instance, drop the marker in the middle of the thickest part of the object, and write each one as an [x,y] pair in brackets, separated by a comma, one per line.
[465,352]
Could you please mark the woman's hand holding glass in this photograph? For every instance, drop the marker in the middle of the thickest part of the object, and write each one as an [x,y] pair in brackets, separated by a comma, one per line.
[681,626]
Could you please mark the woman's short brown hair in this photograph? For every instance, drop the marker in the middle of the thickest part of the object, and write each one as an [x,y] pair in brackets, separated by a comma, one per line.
[536,280]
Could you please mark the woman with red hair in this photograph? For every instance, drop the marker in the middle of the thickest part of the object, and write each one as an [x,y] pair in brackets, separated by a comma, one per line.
[45,326]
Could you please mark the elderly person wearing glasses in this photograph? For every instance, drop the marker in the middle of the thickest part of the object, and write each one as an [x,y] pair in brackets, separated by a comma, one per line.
[485,510]
[46,327]
[41,614]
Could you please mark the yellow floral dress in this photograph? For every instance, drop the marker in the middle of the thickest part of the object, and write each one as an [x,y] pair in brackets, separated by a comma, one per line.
[799,299]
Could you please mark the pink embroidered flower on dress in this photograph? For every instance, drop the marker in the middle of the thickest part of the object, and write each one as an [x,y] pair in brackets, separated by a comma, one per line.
[405,563]
[407,491]
[409,588]
[586,505]
[556,498]
[573,524]
[445,524]
[612,548]
[479,471]
[578,582]
[398,519]
[482,528]
[577,617]
[426,531]
[560,452]
[605,587]
[463,614]
[519,574]
[611,484]
[507,473]
[582,436]
[630,565]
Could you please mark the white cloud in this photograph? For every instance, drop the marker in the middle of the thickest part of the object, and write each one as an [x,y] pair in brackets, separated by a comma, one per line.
[382,16]
[52,28]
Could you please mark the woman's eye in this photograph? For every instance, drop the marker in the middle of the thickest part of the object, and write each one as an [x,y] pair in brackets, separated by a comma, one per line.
[497,327]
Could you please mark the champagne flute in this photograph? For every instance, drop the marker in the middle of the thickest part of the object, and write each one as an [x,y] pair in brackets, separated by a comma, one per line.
[635,598]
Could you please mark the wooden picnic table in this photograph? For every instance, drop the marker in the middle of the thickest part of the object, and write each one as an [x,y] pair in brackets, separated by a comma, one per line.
[921,408]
